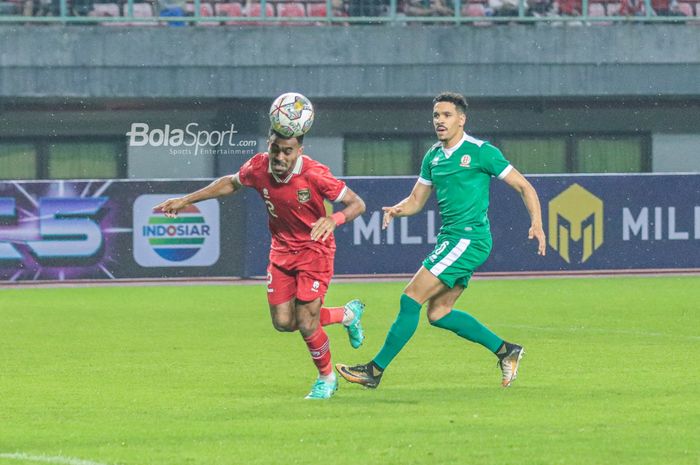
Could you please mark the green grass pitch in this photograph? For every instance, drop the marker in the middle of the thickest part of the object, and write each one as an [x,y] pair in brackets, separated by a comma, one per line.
[198,376]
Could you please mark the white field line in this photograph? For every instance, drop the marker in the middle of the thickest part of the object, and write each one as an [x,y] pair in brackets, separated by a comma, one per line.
[55,459]
[603,331]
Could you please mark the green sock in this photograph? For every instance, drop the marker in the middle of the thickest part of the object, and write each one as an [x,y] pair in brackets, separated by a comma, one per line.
[400,332]
[468,327]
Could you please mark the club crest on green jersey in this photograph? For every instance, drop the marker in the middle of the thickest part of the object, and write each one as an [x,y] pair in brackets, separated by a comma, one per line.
[465,161]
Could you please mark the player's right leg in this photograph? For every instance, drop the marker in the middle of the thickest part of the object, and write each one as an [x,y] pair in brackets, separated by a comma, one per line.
[281,288]
[422,286]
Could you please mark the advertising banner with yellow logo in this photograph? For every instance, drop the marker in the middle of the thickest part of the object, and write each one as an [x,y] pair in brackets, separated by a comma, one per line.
[96,229]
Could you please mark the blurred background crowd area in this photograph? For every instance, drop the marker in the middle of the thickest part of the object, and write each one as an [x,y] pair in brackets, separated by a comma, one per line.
[296,10]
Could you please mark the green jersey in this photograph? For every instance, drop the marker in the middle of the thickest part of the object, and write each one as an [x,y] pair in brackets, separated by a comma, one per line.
[461,177]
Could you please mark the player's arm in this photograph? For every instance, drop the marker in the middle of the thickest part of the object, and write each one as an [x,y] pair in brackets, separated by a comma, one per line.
[532,202]
[354,207]
[223,186]
[408,206]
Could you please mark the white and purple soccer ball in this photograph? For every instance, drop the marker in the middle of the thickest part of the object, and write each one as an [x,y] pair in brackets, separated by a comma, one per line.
[291,114]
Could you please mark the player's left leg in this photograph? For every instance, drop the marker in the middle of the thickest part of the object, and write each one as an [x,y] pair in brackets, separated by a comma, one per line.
[442,314]
[350,316]
[316,339]
[311,287]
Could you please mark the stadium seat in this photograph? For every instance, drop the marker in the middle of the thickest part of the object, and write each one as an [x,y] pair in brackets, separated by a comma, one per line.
[597,10]
[255,12]
[107,10]
[613,9]
[570,7]
[317,10]
[686,9]
[660,6]
[475,10]
[205,10]
[292,10]
[141,10]
[234,10]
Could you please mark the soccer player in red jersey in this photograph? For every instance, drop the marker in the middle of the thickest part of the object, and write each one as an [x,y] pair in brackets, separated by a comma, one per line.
[294,187]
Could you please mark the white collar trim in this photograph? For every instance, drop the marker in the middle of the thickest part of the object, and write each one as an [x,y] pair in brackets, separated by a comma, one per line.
[449,152]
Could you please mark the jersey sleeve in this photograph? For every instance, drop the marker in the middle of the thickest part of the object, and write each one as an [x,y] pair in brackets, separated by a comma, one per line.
[246,174]
[329,186]
[426,176]
[493,162]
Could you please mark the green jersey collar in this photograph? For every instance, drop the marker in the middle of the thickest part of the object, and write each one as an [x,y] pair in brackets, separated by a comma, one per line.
[450,151]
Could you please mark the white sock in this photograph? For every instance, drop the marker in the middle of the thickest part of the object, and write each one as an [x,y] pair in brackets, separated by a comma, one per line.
[348,316]
[327,378]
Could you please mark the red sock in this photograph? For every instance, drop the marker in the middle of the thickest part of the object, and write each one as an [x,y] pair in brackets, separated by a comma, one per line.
[332,315]
[318,345]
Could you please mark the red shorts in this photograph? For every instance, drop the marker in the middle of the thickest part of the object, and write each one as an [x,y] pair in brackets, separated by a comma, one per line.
[306,279]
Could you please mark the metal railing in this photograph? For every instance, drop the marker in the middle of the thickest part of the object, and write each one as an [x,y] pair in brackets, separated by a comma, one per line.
[392,15]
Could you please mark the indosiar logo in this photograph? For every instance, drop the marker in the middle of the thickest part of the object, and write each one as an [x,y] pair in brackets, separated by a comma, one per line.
[575,215]
[190,239]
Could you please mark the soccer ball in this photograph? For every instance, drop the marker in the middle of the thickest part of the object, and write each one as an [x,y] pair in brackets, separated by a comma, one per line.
[291,114]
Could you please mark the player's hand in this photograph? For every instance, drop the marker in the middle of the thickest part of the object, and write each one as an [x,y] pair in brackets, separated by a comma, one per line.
[536,232]
[172,206]
[389,214]
[322,228]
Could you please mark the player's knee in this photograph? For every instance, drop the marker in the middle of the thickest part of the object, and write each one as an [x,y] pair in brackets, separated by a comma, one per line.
[436,312]
[284,325]
[308,326]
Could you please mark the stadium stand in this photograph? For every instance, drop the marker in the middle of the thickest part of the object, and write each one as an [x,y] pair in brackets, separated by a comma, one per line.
[140,10]
[233,10]
[205,10]
[105,10]
[475,10]
[292,10]
[686,9]
[597,10]
[317,10]
[277,11]
[254,10]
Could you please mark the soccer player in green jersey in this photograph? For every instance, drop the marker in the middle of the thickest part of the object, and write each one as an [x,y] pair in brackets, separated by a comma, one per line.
[459,168]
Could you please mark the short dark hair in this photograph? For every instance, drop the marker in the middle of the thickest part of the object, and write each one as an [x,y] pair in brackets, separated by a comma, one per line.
[452,97]
[299,139]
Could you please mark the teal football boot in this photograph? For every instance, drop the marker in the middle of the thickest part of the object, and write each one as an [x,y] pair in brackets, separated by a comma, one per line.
[322,389]
[354,328]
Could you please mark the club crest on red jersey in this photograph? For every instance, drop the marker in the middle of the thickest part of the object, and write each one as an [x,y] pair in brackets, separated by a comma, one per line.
[303,195]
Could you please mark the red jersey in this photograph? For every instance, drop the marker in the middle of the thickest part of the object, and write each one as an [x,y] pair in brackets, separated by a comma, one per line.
[293,203]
